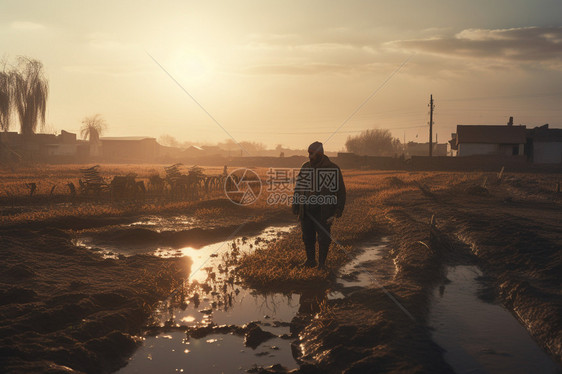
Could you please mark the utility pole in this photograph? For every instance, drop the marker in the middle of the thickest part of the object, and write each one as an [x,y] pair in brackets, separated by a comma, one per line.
[431,125]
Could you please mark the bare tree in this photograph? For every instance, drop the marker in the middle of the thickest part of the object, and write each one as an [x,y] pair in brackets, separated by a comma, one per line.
[30,93]
[253,147]
[93,127]
[169,141]
[375,142]
[5,98]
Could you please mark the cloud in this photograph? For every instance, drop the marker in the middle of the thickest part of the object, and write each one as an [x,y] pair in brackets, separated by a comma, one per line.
[26,25]
[330,38]
[297,69]
[520,45]
[314,68]
[327,51]
[293,45]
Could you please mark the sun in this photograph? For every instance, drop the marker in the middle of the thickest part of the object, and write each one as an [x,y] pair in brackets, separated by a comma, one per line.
[192,65]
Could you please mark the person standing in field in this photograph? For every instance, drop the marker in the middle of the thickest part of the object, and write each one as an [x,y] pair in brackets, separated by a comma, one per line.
[318,199]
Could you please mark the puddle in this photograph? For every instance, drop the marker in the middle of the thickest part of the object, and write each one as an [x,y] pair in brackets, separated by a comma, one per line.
[163,237]
[159,224]
[479,337]
[215,298]
[147,227]
[354,273]
[211,256]
[217,353]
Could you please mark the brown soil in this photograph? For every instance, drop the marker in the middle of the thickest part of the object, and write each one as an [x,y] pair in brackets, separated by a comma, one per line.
[65,309]
[62,307]
[510,228]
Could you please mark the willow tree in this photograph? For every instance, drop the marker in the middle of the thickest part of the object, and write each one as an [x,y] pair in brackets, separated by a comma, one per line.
[29,94]
[5,100]
[92,127]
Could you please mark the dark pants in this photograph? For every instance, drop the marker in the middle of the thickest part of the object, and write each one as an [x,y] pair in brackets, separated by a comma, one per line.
[312,224]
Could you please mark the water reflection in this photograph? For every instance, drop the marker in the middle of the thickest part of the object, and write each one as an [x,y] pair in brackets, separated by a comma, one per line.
[312,299]
[480,337]
[214,299]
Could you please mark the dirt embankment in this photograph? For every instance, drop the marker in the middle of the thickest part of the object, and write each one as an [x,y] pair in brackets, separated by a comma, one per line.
[67,309]
[510,229]
[382,328]
[514,231]
[64,309]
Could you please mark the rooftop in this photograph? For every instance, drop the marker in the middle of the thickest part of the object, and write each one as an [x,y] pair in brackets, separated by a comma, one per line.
[491,134]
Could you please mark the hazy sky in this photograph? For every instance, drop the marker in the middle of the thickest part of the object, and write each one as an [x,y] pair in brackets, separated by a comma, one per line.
[291,72]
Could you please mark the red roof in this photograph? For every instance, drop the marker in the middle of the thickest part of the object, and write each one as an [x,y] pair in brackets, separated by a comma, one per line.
[491,134]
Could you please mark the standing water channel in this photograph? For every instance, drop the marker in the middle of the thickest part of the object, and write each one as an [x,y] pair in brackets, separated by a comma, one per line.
[480,337]
[215,297]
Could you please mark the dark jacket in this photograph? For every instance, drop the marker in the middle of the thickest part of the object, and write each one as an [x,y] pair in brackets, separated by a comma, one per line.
[322,188]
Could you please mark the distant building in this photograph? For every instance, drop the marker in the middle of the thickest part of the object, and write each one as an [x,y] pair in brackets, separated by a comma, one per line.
[422,149]
[194,151]
[130,148]
[544,145]
[215,150]
[66,137]
[473,140]
[65,145]
[9,138]
[40,146]
[168,154]
[453,148]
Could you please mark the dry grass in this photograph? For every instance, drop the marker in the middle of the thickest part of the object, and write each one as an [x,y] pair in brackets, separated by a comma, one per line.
[370,198]
[12,181]
[17,207]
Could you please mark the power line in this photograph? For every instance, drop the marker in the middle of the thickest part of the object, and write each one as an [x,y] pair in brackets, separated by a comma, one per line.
[324,132]
[523,96]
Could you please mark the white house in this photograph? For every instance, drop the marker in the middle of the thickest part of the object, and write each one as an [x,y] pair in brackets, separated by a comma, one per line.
[503,140]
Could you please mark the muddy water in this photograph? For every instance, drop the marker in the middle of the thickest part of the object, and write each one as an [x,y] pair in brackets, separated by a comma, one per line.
[222,300]
[153,224]
[159,224]
[355,272]
[480,337]
[216,353]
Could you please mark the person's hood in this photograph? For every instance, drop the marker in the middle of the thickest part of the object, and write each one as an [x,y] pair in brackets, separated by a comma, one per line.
[323,163]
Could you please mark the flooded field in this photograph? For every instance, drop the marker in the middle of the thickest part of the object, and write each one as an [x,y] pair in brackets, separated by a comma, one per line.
[153,288]
[254,327]
[218,316]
